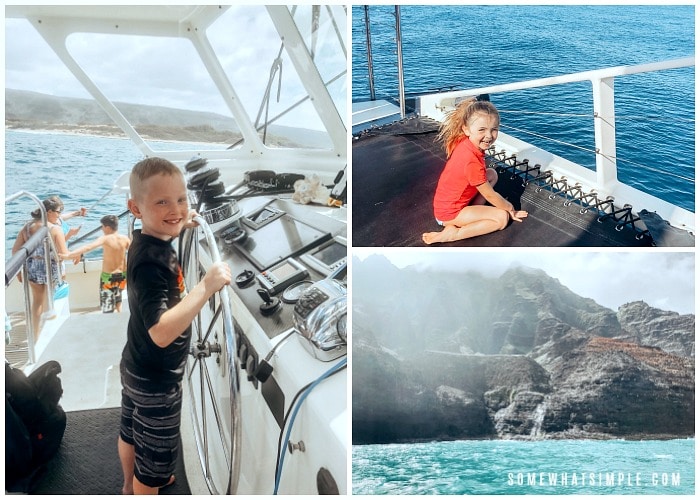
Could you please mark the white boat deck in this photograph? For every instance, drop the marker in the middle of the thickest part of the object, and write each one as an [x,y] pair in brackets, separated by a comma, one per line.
[378,112]
[88,347]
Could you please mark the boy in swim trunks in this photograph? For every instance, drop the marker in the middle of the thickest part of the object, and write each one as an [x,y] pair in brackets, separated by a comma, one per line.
[159,333]
[114,249]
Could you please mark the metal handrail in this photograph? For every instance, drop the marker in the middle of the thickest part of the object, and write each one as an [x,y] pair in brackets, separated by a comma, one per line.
[597,74]
[130,230]
[14,269]
[16,262]
[602,81]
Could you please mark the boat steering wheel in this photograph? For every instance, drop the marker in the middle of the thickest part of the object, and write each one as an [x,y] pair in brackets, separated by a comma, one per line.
[212,374]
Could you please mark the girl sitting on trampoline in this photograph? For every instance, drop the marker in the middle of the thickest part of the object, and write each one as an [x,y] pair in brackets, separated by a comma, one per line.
[466,185]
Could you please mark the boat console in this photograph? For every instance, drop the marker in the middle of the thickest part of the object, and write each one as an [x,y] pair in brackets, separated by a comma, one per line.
[281,260]
[289,308]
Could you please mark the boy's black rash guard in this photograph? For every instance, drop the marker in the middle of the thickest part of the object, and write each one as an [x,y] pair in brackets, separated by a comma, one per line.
[155,285]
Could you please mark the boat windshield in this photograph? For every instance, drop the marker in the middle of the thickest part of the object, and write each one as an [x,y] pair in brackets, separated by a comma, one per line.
[240,70]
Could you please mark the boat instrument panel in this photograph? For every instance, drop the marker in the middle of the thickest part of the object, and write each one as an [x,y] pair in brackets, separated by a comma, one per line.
[288,311]
[275,254]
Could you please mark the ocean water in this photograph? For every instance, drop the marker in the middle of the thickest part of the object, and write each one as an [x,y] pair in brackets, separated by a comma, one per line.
[469,46]
[526,467]
[81,169]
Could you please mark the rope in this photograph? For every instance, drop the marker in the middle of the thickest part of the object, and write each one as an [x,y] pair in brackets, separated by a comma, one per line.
[549,138]
[544,113]
[93,231]
[659,171]
[98,201]
[641,117]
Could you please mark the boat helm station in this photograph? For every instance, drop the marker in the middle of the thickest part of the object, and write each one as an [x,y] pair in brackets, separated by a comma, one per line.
[290,263]
[288,301]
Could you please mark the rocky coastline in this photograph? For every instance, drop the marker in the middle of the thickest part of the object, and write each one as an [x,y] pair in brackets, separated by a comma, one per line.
[32,111]
[537,362]
[200,134]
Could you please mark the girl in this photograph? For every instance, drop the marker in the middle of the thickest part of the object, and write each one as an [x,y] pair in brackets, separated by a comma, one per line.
[466,184]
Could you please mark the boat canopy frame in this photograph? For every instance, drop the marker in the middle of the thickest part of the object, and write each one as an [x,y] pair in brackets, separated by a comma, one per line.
[56,23]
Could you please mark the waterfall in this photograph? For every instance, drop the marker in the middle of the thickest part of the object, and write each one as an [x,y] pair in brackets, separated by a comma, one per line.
[538,419]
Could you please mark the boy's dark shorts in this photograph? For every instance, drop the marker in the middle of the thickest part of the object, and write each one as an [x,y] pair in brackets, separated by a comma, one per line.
[150,421]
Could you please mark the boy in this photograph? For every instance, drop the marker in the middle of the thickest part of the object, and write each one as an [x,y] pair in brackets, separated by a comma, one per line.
[114,248]
[158,335]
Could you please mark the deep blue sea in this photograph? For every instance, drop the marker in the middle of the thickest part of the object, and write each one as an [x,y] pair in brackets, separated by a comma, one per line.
[526,467]
[469,46]
[81,169]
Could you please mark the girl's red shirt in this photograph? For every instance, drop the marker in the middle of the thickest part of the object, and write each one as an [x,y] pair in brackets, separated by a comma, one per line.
[464,171]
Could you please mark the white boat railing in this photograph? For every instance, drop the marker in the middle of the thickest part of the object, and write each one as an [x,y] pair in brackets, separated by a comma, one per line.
[29,247]
[435,106]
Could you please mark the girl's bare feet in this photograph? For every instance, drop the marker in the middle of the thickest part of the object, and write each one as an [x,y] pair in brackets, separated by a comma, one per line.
[449,233]
[433,237]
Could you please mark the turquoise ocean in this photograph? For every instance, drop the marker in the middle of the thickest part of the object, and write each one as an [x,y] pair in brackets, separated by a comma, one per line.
[526,467]
[467,46]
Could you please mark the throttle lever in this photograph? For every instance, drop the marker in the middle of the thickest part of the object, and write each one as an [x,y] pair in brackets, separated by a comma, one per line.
[270,303]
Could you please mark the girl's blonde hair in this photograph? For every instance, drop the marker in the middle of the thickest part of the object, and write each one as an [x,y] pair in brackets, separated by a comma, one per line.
[451,132]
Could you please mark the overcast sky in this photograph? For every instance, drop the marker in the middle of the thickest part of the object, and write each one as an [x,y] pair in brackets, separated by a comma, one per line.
[665,280]
[31,65]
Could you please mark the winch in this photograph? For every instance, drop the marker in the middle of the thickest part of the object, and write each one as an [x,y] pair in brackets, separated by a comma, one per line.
[209,192]
[320,316]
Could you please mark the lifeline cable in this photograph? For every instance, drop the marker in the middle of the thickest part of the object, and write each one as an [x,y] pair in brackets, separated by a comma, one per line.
[301,395]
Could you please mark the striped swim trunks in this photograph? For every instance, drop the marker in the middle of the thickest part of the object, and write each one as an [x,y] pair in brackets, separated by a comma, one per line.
[150,421]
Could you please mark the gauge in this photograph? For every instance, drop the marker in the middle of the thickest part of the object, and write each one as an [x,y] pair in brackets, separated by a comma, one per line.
[293,292]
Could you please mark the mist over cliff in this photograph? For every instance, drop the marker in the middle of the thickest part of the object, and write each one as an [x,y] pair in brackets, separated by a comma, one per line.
[455,355]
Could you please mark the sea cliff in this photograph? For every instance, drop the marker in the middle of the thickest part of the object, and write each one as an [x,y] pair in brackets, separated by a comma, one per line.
[519,357]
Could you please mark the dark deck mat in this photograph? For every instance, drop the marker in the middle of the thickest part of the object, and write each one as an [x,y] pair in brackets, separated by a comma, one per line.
[87,463]
[395,170]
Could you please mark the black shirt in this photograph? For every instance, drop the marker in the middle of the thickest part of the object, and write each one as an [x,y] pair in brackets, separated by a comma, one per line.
[155,285]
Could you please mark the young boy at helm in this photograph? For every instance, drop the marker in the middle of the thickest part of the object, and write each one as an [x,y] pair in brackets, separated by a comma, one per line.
[158,335]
